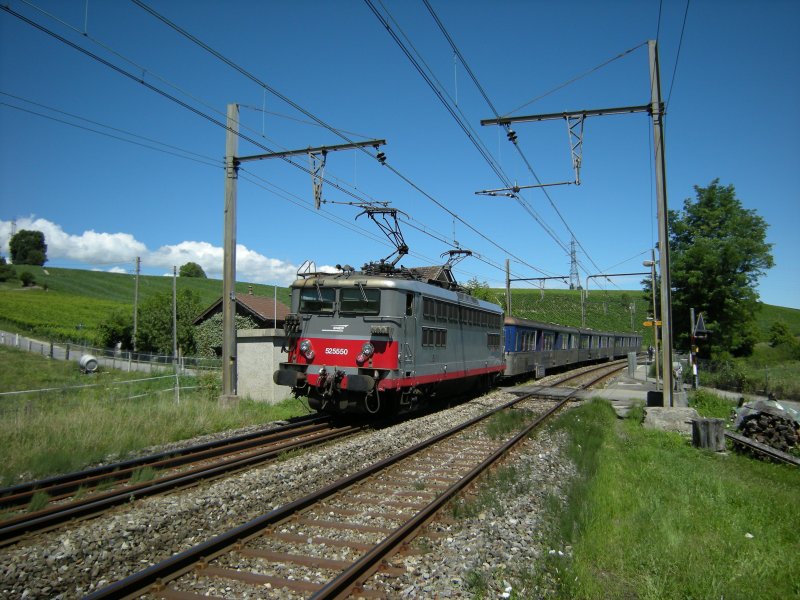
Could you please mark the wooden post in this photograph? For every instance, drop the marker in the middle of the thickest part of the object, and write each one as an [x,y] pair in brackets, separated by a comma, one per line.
[709,433]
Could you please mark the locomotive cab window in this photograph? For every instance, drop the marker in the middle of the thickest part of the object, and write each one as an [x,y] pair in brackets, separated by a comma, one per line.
[360,300]
[317,300]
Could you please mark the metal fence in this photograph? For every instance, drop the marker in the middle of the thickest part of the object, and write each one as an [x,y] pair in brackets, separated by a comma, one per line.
[111,357]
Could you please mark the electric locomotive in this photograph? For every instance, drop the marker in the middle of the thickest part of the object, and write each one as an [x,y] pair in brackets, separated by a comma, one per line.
[387,340]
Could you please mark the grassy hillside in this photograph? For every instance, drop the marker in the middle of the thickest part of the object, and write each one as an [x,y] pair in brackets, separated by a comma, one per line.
[69,304]
[769,314]
[119,287]
[74,298]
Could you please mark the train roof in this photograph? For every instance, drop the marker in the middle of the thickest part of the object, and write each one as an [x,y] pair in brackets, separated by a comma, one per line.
[555,327]
[416,280]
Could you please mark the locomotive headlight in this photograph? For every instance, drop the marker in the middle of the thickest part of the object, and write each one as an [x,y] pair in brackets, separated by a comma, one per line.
[368,349]
[305,348]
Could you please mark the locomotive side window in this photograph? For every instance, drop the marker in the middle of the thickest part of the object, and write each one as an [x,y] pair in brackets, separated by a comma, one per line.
[317,300]
[360,300]
[428,309]
[434,337]
[493,340]
[441,312]
[409,304]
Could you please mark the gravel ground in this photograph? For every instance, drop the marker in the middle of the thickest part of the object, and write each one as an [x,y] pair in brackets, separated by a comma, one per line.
[507,538]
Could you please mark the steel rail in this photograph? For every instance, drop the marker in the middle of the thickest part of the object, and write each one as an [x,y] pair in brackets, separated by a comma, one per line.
[62,482]
[341,586]
[177,565]
[344,584]
[156,576]
[14,529]
[763,448]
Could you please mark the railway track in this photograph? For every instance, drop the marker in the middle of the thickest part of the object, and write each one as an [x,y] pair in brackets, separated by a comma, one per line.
[329,543]
[89,492]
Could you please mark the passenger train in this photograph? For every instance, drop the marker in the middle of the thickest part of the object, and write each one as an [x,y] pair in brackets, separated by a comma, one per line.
[389,341]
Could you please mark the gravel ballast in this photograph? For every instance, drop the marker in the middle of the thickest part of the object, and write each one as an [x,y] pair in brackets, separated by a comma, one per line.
[73,562]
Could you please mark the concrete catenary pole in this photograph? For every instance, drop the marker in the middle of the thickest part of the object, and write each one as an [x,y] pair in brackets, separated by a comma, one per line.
[229,258]
[657,112]
[508,287]
[136,300]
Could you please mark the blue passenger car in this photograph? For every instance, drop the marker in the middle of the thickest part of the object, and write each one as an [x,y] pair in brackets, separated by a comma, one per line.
[533,347]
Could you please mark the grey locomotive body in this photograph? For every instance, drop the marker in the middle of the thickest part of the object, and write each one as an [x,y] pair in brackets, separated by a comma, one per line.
[386,342]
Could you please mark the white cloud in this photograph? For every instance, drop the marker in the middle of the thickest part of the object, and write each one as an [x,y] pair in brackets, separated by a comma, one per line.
[250,265]
[89,247]
[95,249]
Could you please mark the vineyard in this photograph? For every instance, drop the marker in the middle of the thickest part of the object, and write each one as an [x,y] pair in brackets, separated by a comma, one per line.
[70,304]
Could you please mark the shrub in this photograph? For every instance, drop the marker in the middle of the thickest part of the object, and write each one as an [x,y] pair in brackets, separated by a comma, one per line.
[6,271]
[27,279]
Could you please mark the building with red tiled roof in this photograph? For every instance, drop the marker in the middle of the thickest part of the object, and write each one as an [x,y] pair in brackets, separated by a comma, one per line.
[266,312]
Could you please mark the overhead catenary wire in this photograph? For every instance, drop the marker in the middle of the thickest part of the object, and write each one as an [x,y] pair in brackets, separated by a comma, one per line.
[677,56]
[294,105]
[179,152]
[217,122]
[483,93]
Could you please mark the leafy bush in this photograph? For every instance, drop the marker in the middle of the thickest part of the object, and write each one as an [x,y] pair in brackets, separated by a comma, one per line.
[730,375]
[208,335]
[27,278]
[711,405]
[6,271]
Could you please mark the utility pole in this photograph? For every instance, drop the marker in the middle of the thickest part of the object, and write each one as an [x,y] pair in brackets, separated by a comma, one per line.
[232,162]
[229,255]
[175,331]
[175,316]
[652,265]
[656,110]
[136,300]
[508,287]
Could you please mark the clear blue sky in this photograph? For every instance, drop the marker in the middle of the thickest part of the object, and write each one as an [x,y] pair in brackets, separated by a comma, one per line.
[102,200]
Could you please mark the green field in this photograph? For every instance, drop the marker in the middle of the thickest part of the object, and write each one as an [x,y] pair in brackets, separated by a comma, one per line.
[651,517]
[69,304]
[65,421]
[66,298]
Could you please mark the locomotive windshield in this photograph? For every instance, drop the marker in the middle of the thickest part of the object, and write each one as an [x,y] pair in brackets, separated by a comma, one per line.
[317,300]
[360,300]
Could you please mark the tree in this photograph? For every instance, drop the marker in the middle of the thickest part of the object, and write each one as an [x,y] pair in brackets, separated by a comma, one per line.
[192,269]
[208,335]
[28,248]
[117,327]
[154,328]
[718,251]
[479,289]
[6,271]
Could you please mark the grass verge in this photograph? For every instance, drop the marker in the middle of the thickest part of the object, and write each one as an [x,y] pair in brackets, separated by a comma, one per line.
[53,432]
[649,516]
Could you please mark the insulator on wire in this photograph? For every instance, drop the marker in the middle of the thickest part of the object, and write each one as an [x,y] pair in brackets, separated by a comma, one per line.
[381,158]
[512,136]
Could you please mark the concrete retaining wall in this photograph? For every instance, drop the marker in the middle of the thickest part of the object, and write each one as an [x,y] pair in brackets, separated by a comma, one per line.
[258,355]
